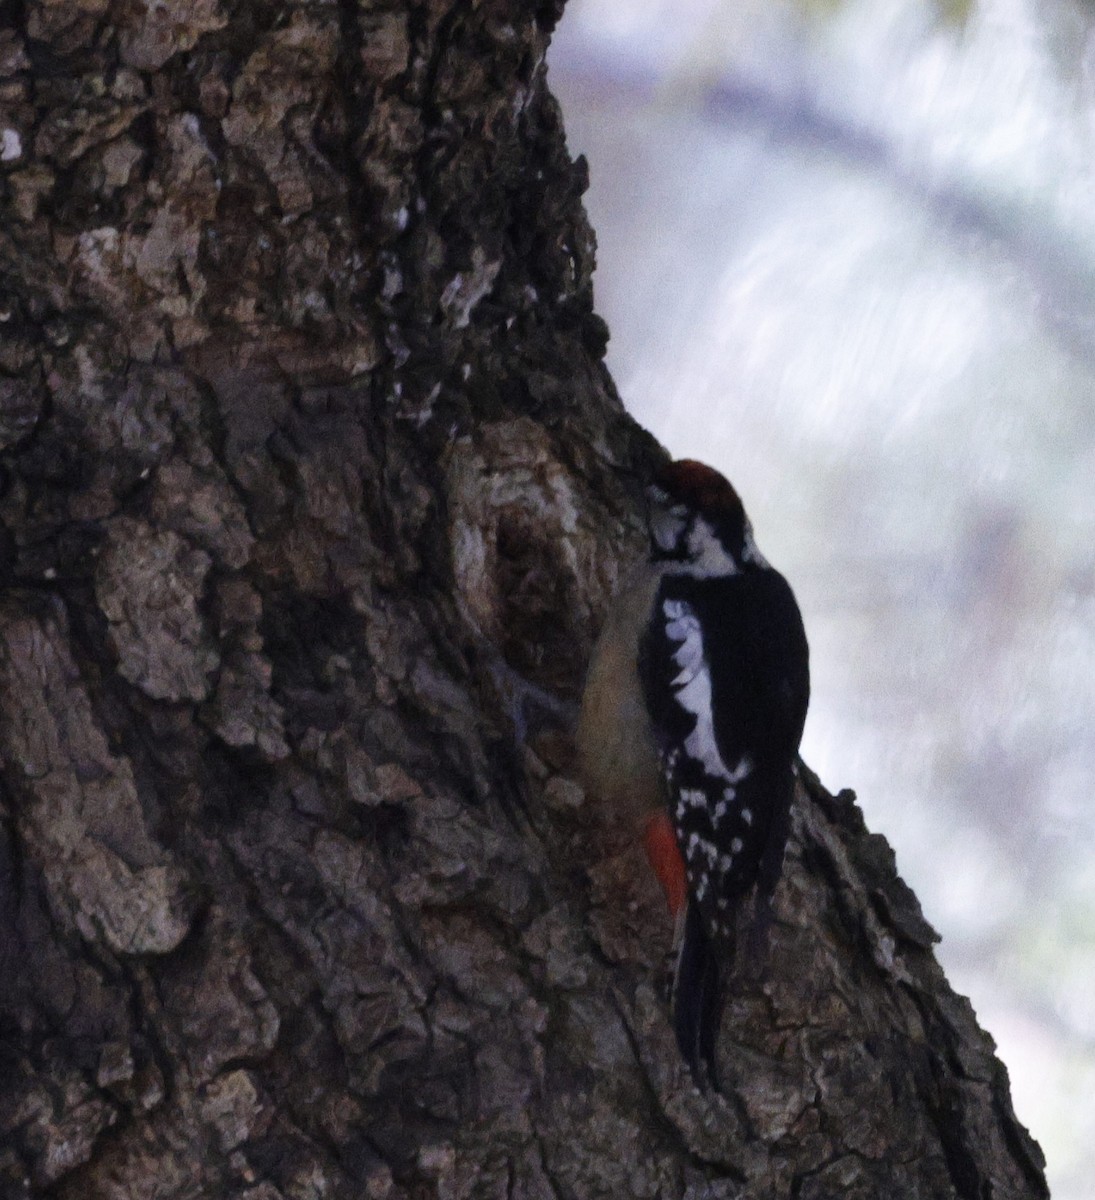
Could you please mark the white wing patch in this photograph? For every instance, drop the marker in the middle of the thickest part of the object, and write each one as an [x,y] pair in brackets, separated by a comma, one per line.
[693,693]
[709,795]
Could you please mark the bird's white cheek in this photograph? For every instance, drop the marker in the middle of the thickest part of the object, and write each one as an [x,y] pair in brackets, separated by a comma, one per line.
[706,554]
[667,530]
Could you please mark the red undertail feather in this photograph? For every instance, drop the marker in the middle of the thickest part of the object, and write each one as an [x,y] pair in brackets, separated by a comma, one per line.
[665,857]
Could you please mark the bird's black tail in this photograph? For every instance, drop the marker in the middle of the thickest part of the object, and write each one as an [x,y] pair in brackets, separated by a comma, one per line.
[697,1000]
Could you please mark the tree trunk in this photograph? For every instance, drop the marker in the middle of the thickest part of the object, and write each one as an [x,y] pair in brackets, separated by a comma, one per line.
[314,488]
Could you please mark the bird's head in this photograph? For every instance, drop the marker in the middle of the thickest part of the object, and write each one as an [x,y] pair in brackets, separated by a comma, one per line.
[697,519]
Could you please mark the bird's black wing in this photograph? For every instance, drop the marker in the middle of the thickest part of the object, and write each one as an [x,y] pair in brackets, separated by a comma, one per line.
[724,668]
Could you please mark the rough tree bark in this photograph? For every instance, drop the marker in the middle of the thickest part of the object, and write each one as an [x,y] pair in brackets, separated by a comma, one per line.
[310,465]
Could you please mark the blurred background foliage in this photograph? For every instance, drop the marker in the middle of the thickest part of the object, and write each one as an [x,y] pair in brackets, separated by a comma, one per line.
[847,254]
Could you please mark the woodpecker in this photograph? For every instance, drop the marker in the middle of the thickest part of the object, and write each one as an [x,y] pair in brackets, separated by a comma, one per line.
[691,720]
